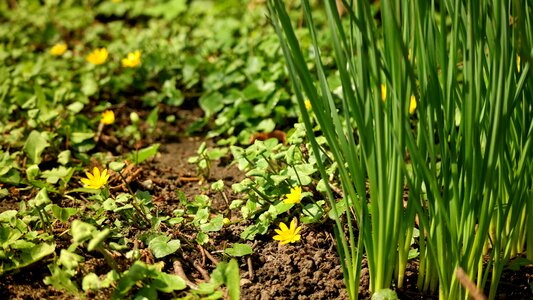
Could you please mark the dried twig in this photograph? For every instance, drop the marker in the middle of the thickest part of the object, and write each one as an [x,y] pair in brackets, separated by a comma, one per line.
[465,281]
[250,268]
[188,179]
[203,255]
[202,271]
[178,270]
[211,257]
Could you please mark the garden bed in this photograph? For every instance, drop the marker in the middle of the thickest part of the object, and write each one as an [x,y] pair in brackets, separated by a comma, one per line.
[309,269]
[157,149]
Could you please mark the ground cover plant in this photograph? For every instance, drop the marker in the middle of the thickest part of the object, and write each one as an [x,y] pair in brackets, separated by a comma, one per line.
[265,149]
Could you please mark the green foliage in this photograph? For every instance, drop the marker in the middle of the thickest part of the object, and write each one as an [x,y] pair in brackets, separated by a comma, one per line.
[385,294]
[205,156]
[141,155]
[162,246]
[21,246]
[226,273]
[238,249]
[272,169]
[150,279]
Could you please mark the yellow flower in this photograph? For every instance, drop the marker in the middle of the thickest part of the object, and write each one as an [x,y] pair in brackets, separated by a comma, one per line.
[307,104]
[58,49]
[108,117]
[95,180]
[132,60]
[116,1]
[98,56]
[412,105]
[518,63]
[287,235]
[294,196]
[383,92]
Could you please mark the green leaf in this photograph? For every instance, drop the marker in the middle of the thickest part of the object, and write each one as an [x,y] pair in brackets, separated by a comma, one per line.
[89,86]
[167,9]
[61,279]
[218,185]
[11,177]
[282,207]
[4,193]
[162,246]
[266,125]
[258,89]
[69,260]
[75,107]
[146,293]
[238,250]
[41,199]
[63,214]
[211,103]
[143,154]
[21,245]
[63,157]
[168,283]
[98,239]
[34,254]
[61,172]
[313,212]
[517,263]
[152,118]
[250,231]
[216,153]
[214,225]
[91,282]
[385,294]
[233,280]
[117,166]
[81,231]
[202,238]
[173,96]
[136,273]
[8,215]
[32,171]
[341,209]
[80,137]
[35,145]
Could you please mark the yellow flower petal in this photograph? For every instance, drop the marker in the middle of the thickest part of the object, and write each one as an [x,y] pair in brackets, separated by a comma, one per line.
[58,49]
[308,105]
[287,235]
[292,225]
[412,105]
[104,175]
[293,196]
[96,172]
[108,117]
[283,226]
[383,92]
[89,176]
[96,180]
[98,56]
[132,60]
